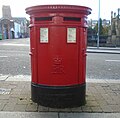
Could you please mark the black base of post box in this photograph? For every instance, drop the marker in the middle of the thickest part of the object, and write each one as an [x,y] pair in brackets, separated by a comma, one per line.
[59,96]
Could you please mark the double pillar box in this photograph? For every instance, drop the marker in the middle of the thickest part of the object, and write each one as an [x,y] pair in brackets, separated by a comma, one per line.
[58,39]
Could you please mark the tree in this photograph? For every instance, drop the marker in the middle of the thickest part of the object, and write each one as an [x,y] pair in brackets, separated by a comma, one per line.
[101,28]
[106,30]
[28,23]
[91,31]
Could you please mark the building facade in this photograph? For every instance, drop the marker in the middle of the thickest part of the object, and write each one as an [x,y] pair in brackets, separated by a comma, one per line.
[12,27]
[115,28]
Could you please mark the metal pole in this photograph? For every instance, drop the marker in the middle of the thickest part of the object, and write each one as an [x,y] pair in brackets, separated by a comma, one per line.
[98,40]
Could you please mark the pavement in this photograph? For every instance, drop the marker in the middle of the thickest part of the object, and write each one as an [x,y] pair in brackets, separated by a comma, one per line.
[108,50]
[102,98]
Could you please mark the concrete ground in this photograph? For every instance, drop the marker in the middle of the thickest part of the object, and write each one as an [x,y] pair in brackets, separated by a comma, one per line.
[103,50]
[57,115]
[101,97]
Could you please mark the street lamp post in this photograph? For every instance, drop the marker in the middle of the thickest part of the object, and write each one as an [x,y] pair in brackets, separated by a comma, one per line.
[98,40]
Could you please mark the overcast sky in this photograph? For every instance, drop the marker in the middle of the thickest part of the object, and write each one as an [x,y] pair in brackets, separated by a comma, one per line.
[18,6]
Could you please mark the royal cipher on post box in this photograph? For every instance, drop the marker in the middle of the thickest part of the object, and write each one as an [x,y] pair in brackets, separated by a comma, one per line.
[58,37]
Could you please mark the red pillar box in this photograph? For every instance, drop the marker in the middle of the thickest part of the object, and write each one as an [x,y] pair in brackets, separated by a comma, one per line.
[58,54]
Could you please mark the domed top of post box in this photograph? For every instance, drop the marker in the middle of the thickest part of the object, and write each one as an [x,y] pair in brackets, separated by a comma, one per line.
[58,9]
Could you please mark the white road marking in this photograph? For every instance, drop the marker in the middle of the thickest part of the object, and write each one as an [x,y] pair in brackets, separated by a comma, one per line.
[3,56]
[14,51]
[113,60]
[19,78]
[13,44]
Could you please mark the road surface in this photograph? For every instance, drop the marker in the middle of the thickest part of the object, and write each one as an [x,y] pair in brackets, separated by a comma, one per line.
[15,60]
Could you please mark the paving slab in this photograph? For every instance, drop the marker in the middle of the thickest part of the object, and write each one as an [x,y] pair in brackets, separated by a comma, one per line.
[89,115]
[100,98]
[28,115]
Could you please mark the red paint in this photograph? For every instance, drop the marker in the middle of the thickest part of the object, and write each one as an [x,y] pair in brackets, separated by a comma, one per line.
[58,63]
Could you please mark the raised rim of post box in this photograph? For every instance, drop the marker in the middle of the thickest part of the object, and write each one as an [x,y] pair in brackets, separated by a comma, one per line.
[58,8]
